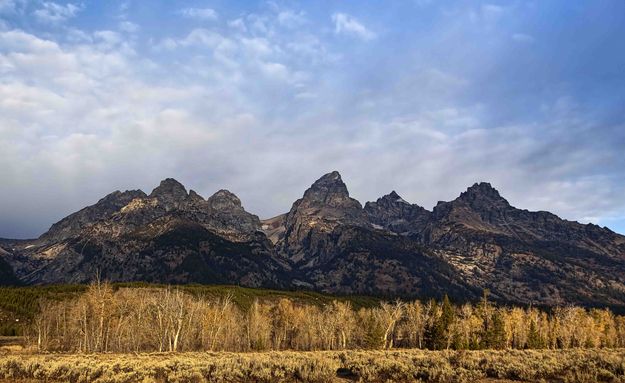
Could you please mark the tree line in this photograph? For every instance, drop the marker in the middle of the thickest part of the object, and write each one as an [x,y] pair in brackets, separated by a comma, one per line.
[167,319]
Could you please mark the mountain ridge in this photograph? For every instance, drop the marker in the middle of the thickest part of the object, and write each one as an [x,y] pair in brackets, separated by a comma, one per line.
[330,242]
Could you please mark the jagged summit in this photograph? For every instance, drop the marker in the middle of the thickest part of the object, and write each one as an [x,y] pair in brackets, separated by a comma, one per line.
[169,193]
[169,187]
[389,199]
[328,190]
[394,198]
[394,213]
[224,199]
[194,197]
[333,176]
[330,194]
[393,195]
[484,189]
[483,196]
[324,206]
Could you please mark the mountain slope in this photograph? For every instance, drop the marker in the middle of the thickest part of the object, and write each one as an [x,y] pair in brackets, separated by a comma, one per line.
[7,277]
[527,256]
[335,247]
[169,236]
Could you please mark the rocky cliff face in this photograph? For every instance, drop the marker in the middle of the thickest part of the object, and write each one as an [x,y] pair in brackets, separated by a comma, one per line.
[526,256]
[324,206]
[329,242]
[393,213]
[337,246]
[103,209]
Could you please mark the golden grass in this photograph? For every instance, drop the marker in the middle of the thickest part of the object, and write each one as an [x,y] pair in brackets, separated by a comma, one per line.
[575,365]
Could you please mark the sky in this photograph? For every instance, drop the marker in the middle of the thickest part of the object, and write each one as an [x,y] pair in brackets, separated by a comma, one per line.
[262,98]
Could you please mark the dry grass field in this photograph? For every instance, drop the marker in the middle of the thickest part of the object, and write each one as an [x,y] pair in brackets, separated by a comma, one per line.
[574,365]
[109,335]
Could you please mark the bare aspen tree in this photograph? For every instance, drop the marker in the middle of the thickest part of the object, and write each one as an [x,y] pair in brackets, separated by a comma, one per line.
[167,319]
[258,326]
[414,325]
[390,314]
[346,321]
[43,324]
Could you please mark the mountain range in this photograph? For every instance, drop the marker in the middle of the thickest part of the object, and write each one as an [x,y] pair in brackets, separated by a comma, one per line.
[329,242]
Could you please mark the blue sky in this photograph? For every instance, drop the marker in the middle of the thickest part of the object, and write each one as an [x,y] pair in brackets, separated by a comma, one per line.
[422,97]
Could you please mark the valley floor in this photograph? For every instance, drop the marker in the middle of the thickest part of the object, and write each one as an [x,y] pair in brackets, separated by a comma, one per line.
[575,365]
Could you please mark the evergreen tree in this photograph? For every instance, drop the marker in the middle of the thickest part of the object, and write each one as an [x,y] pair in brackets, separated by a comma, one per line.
[533,337]
[438,334]
[373,333]
[484,311]
[495,334]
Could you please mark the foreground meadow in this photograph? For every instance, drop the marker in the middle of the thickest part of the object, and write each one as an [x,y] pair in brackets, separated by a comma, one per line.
[573,365]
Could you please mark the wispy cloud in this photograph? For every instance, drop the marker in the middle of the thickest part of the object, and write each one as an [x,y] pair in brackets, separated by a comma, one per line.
[53,13]
[129,27]
[238,24]
[199,13]
[348,25]
[291,19]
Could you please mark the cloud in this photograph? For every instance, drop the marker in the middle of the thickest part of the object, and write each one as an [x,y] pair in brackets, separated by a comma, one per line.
[206,14]
[7,6]
[348,25]
[291,19]
[75,111]
[207,38]
[129,27]
[263,107]
[54,13]
[238,24]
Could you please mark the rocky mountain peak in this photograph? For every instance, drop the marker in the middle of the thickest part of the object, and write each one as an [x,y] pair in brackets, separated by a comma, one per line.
[324,206]
[103,209]
[482,189]
[194,197]
[393,198]
[169,186]
[117,197]
[169,193]
[329,190]
[224,200]
[482,196]
[393,195]
[394,213]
